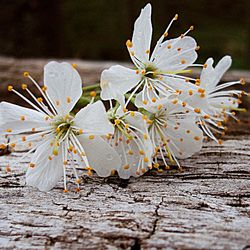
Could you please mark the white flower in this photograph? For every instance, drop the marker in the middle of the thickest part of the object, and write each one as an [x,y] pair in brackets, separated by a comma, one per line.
[208,98]
[173,131]
[131,141]
[57,138]
[168,58]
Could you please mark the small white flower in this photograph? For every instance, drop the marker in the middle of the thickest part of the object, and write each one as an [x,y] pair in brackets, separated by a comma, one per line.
[168,58]
[173,131]
[57,138]
[209,99]
[131,141]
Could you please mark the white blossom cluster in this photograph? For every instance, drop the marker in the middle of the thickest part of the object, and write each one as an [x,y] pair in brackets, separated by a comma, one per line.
[157,114]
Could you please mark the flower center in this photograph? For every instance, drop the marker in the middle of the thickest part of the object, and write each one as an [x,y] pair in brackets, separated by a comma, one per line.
[63,126]
[151,71]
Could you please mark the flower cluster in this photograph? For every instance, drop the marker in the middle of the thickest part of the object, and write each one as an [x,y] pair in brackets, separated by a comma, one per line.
[157,113]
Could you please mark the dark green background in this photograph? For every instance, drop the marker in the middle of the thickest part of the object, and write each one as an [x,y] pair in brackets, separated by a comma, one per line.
[98,29]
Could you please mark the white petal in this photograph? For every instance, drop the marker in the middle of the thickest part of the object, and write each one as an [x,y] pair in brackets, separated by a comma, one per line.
[117,81]
[223,65]
[46,173]
[168,58]
[93,119]
[187,139]
[64,86]
[134,159]
[101,156]
[142,35]
[18,118]
[207,77]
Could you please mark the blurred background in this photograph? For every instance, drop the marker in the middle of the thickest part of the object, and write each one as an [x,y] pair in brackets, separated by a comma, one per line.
[98,29]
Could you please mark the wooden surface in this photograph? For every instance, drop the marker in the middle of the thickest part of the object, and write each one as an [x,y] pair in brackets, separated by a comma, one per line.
[205,207]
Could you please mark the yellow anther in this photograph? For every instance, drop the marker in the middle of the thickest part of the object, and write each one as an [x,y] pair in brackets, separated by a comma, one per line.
[2,146]
[181,139]
[145,136]
[205,66]
[117,122]
[22,118]
[197,47]
[8,169]
[129,44]
[149,122]
[68,99]
[198,111]
[156,165]
[184,104]
[132,53]
[220,141]
[24,86]
[80,131]
[58,130]
[159,106]
[202,95]
[137,71]
[32,165]
[143,72]
[144,102]
[165,34]
[46,118]
[144,117]
[183,61]
[153,99]
[40,99]
[141,152]
[190,92]
[50,158]
[130,152]
[10,88]
[188,131]
[125,110]
[191,27]
[179,49]
[206,116]
[242,81]
[9,130]
[126,126]
[78,189]
[44,88]
[55,152]
[175,101]
[197,138]
[176,17]
[200,90]
[169,46]
[91,137]
[65,190]
[145,159]
[65,162]
[57,103]
[13,145]
[92,94]
[26,74]
[78,181]
[147,51]
[132,113]
[90,173]
[126,166]
[74,65]
[143,170]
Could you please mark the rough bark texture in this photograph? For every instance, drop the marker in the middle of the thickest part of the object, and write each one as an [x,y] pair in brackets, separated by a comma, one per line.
[204,207]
